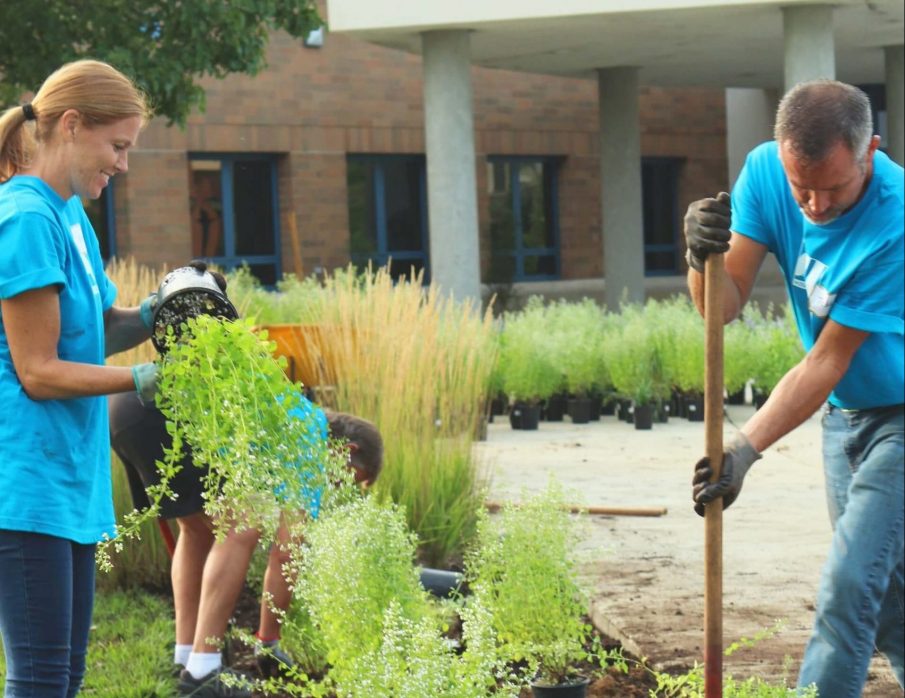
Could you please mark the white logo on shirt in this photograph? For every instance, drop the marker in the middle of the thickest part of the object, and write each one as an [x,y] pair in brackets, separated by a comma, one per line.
[808,272]
[78,237]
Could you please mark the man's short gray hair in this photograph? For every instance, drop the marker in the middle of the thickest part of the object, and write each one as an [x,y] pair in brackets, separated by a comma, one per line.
[814,116]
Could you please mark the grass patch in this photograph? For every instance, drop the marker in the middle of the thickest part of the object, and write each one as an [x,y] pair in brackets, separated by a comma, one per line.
[129,652]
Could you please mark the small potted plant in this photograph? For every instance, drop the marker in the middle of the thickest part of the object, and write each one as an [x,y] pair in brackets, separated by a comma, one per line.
[522,569]
[527,368]
[578,332]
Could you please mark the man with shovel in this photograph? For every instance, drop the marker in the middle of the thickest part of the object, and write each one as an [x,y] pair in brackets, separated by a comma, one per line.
[829,205]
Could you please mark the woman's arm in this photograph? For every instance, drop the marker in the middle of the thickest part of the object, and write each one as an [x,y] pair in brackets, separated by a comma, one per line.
[32,323]
[123,329]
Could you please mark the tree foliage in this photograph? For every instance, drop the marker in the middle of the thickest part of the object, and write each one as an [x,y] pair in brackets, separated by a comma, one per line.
[166,46]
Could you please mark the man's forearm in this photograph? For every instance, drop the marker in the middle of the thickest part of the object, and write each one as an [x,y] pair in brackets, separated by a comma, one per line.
[795,399]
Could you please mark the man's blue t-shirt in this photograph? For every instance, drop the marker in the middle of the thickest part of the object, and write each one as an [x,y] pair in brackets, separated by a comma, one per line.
[54,454]
[849,270]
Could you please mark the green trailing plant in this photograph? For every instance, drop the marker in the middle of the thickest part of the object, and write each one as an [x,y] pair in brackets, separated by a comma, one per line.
[146,561]
[522,569]
[691,683]
[357,560]
[226,397]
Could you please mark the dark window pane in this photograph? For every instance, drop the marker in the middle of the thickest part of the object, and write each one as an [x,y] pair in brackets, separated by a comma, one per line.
[206,208]
[540,265]
[405,268]
[266,273]
[535,229]
[402,199]
[659,191]
[362,224]
[660,261]
[253,207]
[502,220]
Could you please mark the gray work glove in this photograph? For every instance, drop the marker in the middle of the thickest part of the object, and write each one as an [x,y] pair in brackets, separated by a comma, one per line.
[145,378]
[146,310]
[738,456]
[707,223]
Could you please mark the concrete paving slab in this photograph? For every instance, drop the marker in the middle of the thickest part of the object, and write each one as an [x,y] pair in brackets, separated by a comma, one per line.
[646,574]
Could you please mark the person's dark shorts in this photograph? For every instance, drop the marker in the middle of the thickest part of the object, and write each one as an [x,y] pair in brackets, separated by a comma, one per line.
[138,435]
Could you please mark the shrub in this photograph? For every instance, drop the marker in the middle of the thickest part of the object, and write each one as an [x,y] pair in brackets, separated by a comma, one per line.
[522,570]
[528,369]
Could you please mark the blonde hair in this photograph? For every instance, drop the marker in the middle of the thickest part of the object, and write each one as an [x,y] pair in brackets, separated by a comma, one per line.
[96,90]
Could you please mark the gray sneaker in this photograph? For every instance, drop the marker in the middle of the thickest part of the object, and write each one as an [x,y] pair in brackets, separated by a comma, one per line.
[211,686]
[273,662]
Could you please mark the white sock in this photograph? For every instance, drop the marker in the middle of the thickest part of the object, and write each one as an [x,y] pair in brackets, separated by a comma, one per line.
[181,654]
[200,664]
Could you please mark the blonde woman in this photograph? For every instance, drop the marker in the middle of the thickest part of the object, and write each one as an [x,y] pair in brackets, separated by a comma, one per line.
[57,323]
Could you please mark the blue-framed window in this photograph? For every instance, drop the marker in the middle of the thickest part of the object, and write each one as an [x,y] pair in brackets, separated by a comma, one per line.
[524,218]
[388,212]
[103,220]
[660,201]
[235,212]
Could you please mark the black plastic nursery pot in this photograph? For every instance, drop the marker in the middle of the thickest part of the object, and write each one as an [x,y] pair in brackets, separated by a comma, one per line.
[625,411]
[580,410]
[736,398]
[596,407]
[694,406]
[574,689]
[555,408]
[524,416]
[644,416]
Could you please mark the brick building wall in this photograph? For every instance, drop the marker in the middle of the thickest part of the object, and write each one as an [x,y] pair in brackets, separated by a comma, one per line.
[312,107]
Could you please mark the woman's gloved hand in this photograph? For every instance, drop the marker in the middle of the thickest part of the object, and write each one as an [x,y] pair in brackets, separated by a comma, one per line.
[145,378]
[146,310]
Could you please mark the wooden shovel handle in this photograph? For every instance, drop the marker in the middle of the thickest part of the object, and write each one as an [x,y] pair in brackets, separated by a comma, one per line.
[713,516]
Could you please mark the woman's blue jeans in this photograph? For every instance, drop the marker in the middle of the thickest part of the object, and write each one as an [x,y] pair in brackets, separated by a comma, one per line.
[860,598]
[46,598]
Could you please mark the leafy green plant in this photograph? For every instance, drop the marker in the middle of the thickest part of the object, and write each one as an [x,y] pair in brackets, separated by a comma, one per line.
[356,561]
[522,569]
[576,333]
[528,366]
[635,364]
[227,398]
[777,346]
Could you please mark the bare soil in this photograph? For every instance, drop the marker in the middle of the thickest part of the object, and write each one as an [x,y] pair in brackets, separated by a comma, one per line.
[646,574]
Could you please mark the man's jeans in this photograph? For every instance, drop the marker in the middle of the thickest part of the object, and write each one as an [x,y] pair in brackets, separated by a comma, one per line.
[46,597]
[860,599]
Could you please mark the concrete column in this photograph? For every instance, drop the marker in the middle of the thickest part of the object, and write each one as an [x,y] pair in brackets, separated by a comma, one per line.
[809,47]
[895,102]
[451,181]
[620,180]
[750,114]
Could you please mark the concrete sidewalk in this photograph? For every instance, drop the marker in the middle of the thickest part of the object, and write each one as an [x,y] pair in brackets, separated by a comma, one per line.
[647,573]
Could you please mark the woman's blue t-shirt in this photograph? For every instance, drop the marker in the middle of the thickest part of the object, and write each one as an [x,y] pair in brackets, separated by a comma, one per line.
[54,454]
[849,270]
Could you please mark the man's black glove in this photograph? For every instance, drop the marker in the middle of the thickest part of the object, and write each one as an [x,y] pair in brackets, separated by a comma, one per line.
[201,266]
[707,224]
[738,456]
